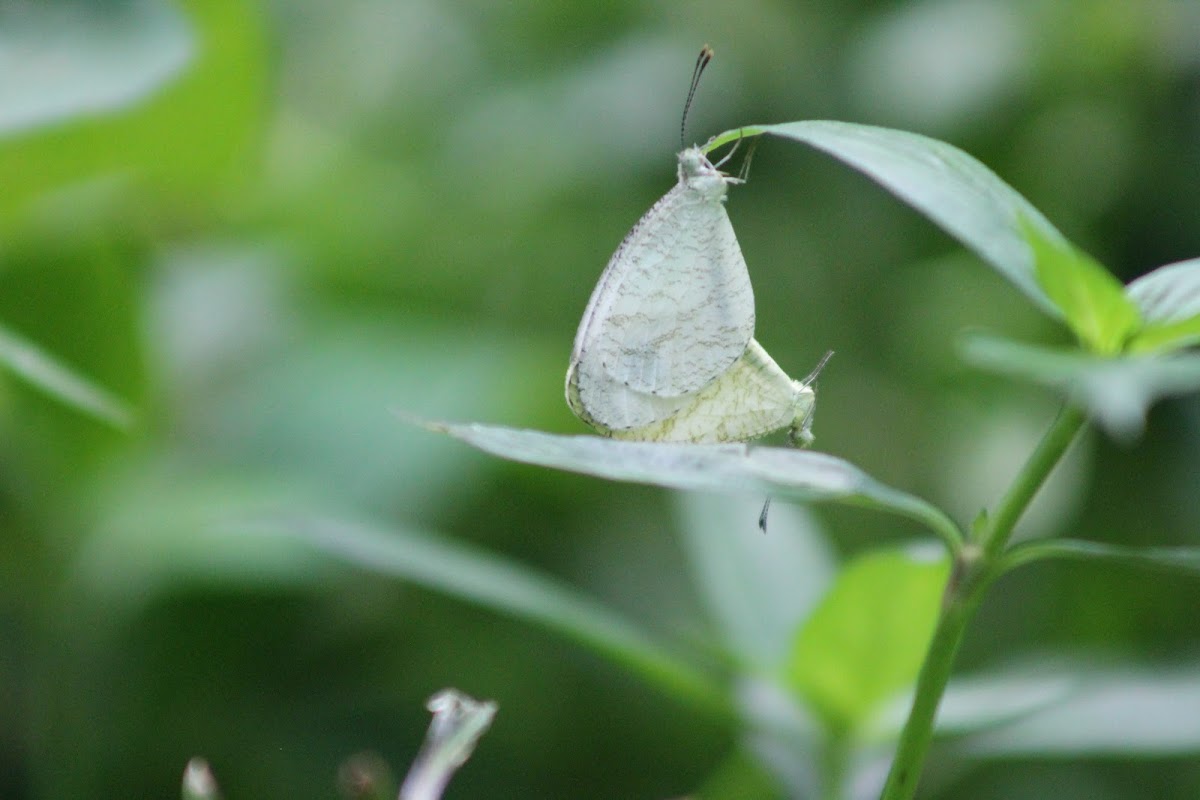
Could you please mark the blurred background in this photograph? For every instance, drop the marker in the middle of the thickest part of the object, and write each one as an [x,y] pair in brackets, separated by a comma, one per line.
[266,225]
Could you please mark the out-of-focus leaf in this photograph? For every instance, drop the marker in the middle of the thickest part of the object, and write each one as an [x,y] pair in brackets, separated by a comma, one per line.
[497,584]
[952,189]
[1112,712]
[757,588]
[738,776]
[458,722]
[1116,392]
[257,387]
[63,384]
[799,475]
[1169,299]
[60,59]
[982,701]
[866,640]
[186,138]
[979,702]
[1091,299]
[159,525]
[1171,559]
[782,734]
[340,435]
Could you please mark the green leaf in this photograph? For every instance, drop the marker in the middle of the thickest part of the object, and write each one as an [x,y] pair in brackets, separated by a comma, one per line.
[1116,392]
[1091,299]
[1054,707]
[185,134]
[867,639]
[982,701]
[39,369]
[500,585]
[1170,559]
[330,435]
[757,588]
[740,775]
[800,475]
[158,526]
[1169,300]
[972,204]
[1109,712]
[64,59]
[952,189]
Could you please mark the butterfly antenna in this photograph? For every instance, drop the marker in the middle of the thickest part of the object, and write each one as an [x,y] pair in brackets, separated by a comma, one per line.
[762,517]
[702,60]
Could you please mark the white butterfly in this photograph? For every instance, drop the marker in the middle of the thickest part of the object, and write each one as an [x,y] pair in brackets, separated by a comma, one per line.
[665,350]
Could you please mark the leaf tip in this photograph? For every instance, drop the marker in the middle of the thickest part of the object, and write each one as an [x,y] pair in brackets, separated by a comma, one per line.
[409,418]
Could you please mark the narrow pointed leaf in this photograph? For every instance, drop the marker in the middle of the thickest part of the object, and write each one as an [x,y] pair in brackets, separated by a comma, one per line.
[799,475]
[1111,712]
[1048,706]
[1116,392]
[952,189]
[986,700]
[971,203]
[1185,560]
[503,586]
[1169,300]
[39,369]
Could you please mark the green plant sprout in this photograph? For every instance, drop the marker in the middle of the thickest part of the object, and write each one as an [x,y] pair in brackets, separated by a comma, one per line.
[893,620]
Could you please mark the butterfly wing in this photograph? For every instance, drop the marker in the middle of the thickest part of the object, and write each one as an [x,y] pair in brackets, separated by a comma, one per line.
[672,311]
[752,398]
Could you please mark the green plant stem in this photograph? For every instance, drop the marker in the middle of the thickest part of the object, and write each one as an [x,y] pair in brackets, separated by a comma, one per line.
[975,566]
[1042,461]
[962,598]
[835,758]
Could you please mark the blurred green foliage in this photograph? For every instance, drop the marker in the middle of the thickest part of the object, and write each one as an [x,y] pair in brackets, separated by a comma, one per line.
[265,225]
[868,622]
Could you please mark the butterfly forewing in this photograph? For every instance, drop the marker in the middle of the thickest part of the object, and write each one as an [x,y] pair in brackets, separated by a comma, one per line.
[672,311]
[689,311]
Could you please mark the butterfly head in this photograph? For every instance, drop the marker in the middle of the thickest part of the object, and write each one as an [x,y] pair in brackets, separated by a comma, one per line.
[698,173]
